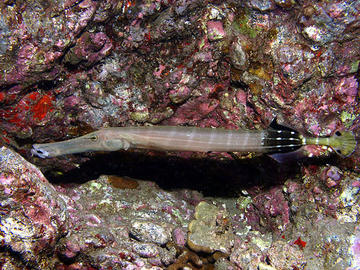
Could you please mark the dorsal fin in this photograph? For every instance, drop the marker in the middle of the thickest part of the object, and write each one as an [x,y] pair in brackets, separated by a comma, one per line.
[275,125]
[281,139]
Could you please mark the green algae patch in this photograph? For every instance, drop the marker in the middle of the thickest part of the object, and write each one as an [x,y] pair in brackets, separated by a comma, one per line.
[241,25]
[244,202]
[347,118]
[354,66]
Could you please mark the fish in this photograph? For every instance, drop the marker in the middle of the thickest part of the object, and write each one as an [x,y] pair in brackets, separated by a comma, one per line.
[277,139]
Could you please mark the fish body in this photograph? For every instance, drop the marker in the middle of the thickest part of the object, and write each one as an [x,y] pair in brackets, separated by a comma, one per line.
[210,139]
[174,138]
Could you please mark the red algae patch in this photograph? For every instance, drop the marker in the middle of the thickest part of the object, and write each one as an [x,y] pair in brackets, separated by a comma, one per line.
[42,107]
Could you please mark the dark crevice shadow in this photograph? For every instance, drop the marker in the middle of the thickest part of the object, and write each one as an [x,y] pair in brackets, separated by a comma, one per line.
[225,178]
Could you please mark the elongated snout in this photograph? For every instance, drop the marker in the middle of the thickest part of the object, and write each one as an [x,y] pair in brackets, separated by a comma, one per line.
[101,140]
[89,142]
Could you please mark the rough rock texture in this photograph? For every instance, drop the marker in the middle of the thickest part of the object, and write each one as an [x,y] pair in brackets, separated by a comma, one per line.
[82,65]
[210,231]
[69,67]
[33,215]
[98,224]
[125,223]
[123,228]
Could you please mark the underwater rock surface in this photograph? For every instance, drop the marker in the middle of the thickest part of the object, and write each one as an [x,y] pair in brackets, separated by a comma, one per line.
[82,65]
[70,67]
[116,223]
[34,215]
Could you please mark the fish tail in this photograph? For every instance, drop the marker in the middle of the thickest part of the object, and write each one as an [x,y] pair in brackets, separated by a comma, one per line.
[343,143]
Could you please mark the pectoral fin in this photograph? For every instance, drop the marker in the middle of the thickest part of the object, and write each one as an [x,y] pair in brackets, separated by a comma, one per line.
[289,156]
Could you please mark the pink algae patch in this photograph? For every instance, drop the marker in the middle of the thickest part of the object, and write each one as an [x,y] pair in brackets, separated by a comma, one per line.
[215,30]
[158,71]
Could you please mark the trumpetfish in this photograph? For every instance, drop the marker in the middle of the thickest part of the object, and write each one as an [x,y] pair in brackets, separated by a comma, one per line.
[175,138]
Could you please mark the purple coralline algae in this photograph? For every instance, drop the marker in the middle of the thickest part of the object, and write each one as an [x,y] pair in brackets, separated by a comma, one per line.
[94,225]
[271,206]
[34,215]
[69,67]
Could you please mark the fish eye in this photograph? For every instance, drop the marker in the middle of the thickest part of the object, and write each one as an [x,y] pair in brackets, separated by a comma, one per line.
[93,138]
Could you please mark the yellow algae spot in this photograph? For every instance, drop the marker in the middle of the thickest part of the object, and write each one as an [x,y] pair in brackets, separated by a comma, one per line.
[140,116]
[261,72]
